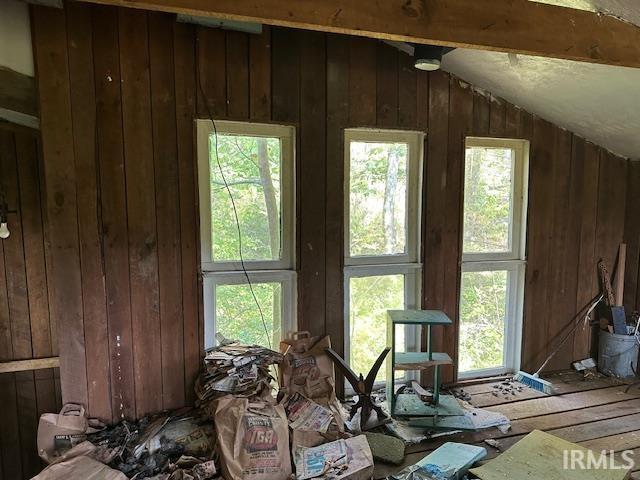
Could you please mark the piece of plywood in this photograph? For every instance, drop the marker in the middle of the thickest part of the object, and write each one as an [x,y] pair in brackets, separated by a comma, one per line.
[541,455]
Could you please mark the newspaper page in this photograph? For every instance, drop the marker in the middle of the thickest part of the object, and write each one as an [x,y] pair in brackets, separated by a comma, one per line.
[307,415]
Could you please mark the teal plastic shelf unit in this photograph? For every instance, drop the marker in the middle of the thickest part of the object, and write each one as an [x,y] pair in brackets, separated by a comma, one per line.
[405,361]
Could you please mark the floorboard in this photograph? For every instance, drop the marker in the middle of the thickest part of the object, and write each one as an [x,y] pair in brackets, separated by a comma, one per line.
[594,412]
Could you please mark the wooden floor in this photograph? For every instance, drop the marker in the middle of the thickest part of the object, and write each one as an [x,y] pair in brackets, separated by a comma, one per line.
[594,412]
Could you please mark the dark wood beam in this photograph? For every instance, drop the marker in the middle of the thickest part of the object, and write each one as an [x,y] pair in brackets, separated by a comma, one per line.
[18,92]
[517,26]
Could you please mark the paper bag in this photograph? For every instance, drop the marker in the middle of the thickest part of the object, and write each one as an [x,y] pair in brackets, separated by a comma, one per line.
[71,422]
[79,468]
[307,369]
[252,439]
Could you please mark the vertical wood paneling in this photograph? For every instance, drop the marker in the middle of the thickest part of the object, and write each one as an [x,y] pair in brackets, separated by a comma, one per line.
[540,221]
[211,64]
[260,75]
[632,237]
[141,205]
[337,119]
[167,195]
[560,308]
[83,110]
[362,82]
[113,208]
[185,85]
[237,44]
[24,306]
[311,280]
[10,448]
[587,263]
[460,123]
[407,92]
[285,75]
[386,85]
[51,56]
[436,185]
[497,117]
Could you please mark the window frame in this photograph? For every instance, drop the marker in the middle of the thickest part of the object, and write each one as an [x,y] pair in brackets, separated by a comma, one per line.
[513,262]
[287,278]
[519,178]
[261,271]
[407,264]
[415,143]
[286,134]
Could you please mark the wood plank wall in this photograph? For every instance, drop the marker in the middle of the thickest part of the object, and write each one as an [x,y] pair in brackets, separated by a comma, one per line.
[632,238]
[25,328]
[119,89]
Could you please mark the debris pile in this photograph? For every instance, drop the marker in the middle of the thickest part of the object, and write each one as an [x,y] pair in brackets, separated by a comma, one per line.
[236,369]
[158,444]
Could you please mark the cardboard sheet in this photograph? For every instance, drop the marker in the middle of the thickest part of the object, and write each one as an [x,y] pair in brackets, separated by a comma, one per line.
[541,455]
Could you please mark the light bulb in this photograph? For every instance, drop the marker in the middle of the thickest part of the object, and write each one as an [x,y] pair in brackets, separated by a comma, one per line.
[4,230]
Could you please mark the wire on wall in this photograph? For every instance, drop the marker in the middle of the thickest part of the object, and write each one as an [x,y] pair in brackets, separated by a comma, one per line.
[228,189]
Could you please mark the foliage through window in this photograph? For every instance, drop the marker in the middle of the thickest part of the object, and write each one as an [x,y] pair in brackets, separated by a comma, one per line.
[382,215]
[246,188]
[492,277]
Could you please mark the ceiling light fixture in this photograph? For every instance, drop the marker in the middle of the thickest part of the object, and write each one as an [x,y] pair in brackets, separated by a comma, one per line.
[429,57]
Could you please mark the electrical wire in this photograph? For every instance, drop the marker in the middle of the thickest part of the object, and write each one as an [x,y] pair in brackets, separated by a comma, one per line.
[228,188]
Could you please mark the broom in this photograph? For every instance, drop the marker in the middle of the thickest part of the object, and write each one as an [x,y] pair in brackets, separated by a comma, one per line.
[533,380]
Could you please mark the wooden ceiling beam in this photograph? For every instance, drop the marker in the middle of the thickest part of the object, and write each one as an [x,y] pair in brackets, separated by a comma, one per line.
[516,26]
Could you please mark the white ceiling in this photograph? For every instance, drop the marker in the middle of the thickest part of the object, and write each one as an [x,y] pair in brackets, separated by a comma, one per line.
[600,103]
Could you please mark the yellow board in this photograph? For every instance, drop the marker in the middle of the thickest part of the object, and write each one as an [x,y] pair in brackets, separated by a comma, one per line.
[542,456]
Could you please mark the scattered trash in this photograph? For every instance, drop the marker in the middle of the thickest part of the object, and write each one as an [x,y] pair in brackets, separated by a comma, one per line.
[306,415]
[508,388]
[349,459]
[583,365]
[241,428]
[149,447]
[451,461]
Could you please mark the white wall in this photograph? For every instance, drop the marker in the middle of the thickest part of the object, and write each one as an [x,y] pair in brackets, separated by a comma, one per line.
[15,37]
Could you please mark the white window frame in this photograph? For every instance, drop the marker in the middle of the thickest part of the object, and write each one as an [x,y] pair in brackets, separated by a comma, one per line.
[264,271]
[513,261]
[415,143]
[289,299]
[407,263]
[286,135]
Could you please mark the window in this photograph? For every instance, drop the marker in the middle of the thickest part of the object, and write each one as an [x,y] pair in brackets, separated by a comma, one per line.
[246,187]
[492,278]
[383,175]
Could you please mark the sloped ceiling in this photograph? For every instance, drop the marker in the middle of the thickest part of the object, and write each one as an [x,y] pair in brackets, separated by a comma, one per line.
[600,103]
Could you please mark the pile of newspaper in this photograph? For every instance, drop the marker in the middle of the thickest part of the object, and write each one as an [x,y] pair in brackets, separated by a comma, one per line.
[237,369]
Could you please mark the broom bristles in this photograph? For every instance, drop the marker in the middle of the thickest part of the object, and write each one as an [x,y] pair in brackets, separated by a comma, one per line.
[534,382]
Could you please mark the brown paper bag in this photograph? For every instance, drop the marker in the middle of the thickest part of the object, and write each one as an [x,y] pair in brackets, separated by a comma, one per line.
[70,421]
[307,369]
[79,468]
[253,440]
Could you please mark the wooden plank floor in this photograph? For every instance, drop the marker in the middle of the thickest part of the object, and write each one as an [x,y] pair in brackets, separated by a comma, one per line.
[594,412]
